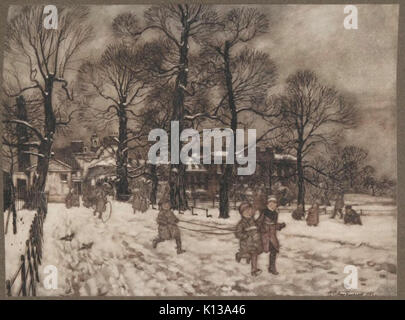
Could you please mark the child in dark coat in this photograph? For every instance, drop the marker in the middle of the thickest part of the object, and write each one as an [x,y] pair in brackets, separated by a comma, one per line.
[351,216]
[268,227]
[167,226]
[250,245]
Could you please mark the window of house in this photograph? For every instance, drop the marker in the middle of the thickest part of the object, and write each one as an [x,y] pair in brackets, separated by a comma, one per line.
[64,177]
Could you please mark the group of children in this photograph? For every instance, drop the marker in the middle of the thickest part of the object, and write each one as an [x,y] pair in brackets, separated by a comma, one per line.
[347,213]
[258,235]
[255,235]
[312,216]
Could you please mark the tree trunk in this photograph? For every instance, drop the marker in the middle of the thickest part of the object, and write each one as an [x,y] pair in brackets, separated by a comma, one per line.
[14,211]
[300,172]
[122,156]
[270,179]
[38,186]
[177,172]
[12,206]
[23,158]
[224,186]
[155,183]
[226,179]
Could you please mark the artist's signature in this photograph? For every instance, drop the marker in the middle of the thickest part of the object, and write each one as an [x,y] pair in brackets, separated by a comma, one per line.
[352,293]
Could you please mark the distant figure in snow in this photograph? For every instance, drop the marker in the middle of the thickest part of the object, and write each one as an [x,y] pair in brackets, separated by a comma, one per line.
[101,200]
[167,226]
[68,199]
[250,245]
[339,205]
[72,199]
[351,216]
[299,213]
[313,215]
[140,201]
[268,227]
[75,199]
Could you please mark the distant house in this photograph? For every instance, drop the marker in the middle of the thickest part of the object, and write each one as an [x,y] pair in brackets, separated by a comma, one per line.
[271,168]
[67,168]
[58,180]
[79,156]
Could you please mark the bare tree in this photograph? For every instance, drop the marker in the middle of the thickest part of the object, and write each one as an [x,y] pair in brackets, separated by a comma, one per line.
[178,24]
[47,55]
[119,78]
[157,115]
[154,114]
[9,159]
[313,115]
[353,159]
[244,77]
[368,179]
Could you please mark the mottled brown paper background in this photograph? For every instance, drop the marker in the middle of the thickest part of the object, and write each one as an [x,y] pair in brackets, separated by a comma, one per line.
[400,116]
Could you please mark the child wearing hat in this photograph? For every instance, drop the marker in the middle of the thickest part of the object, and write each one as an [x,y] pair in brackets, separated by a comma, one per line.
[167,225]
[249,238]
[313,215]
[268,227]
[351,216]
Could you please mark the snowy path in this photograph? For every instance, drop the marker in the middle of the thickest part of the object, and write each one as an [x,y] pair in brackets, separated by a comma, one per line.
[122,262]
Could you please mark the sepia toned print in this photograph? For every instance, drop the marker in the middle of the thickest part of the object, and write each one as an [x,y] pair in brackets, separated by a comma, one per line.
[200,150]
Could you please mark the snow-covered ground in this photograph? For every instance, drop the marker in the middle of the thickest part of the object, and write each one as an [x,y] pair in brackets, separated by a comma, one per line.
[117,259]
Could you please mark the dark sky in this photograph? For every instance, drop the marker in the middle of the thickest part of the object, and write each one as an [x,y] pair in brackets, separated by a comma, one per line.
[360,63]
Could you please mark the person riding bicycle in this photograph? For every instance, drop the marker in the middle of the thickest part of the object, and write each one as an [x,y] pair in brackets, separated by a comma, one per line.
[101,200]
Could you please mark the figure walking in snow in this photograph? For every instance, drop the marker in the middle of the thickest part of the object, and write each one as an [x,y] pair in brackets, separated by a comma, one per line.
[101,201]
[313,215]
[339,205]
[250,245]
[167,226]
[139,201]
[351,216]
[68,199]
[72,199]
[75,199]
[268,227]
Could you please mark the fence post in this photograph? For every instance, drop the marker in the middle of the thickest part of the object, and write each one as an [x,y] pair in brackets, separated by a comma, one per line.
[31,270]
[34,259]
[23,277]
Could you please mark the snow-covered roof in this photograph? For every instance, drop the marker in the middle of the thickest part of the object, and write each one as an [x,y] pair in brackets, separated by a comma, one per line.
[195,168]
[59,164]
[279,156]
[106,162]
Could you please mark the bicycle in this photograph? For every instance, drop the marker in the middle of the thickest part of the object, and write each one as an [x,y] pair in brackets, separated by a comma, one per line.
[106,215]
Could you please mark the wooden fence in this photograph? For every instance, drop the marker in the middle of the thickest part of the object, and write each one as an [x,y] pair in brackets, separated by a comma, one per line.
[25,279]
[193,209]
